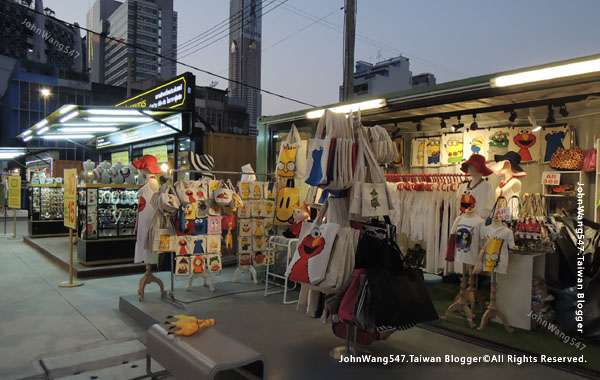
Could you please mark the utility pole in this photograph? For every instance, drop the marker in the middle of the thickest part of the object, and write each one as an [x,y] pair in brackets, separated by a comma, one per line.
[349,37]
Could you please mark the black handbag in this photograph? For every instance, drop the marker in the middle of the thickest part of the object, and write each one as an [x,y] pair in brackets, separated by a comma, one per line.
[398,294]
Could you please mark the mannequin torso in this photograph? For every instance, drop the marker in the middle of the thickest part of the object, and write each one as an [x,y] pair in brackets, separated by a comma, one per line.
[146,212]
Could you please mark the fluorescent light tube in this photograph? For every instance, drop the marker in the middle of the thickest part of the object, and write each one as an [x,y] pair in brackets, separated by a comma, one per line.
[66,108]
[63,137]
[27,138]
[10,154]
[68,116]
[117,119]
[363,106]
[40,131]
[27,132]
[41,123]
[570,69]
[88,129]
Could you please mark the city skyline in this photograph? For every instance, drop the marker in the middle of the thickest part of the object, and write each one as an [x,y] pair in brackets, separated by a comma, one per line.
[303,58]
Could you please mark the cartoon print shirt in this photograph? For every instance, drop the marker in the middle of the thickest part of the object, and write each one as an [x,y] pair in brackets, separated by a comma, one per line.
[482,197]
[468,238]
[497,242]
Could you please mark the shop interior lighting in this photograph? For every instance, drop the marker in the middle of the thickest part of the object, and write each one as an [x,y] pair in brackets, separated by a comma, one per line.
[109,112]
[66,108]
[363,106]
[563,111]
[88,129]
[442,123]
[550,119]
[88,124]
[513,116]
[64,137]
[41,123]
[119,119]
[68,116]
[27,132]
[458,125]
[40,131]
[164,168]
[9,155]
[419,126]
[474,124]
[27,138]
[566,70]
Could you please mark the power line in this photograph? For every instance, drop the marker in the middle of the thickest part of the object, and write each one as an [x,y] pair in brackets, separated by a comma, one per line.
[372,42]
[219,30]
[227,35]
[168,58]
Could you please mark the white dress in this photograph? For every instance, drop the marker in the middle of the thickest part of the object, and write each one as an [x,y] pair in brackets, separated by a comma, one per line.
[145,216]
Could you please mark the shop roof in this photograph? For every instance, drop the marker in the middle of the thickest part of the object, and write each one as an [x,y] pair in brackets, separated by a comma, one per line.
[90,122]
[475,94]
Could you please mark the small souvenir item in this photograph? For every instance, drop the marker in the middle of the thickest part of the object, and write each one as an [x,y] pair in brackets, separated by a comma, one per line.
[214,225]
[245,190]
[245,259]
[246,227]
[245,244]
[201,209]
[200,226]
[183,246]
[199,245]
[190,211]
[213,185]
[258,243]
[257,228]
[91,197]
[270,190]
[223,194]
[269,208]
[201,190]
[269,258]
[197,264]
[182,267]
[164,241]
[213,209]
[213,262]
[299,216]
[128,173]
[258,259]
[269,227]
[213,243]
[244,211]
[257,190]
[257,209]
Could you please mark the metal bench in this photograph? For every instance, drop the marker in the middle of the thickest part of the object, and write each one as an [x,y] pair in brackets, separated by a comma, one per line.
[207,354]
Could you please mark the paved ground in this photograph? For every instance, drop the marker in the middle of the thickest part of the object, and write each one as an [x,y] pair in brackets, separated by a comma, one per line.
[39,320]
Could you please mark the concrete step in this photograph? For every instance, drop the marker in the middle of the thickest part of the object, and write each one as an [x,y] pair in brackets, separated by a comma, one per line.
[126,371]
[93,359]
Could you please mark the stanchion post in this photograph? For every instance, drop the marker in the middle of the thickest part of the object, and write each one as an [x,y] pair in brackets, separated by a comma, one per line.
[70,216]
[14,223]
[70,283]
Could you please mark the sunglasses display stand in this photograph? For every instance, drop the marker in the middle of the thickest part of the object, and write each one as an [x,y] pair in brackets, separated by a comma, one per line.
[46,209]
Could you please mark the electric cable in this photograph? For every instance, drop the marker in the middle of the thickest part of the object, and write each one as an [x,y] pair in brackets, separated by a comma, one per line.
[225,28]
[231,32]
[168,58]
[372,42]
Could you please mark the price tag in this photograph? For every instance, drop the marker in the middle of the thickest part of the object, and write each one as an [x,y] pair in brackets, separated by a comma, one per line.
[551,178]
[70,176]
[503,213]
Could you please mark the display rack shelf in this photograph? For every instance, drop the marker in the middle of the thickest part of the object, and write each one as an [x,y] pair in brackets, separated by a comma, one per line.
[46,210]
[559,203]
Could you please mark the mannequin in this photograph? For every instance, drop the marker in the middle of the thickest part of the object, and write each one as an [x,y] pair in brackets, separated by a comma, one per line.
[477,193]
[508,166]
[148,166]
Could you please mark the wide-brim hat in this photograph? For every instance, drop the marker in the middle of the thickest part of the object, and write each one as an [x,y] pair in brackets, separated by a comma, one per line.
[204,163]
[479,161]
[147,162]
[514,159]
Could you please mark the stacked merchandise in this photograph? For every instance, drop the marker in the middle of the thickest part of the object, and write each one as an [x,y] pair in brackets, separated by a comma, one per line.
[256,222]
[541,303]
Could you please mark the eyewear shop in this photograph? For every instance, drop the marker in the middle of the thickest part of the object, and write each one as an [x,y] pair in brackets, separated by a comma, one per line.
[489,185]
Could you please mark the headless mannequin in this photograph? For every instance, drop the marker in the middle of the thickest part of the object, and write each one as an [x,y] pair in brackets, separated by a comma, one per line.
[148,277]
[492,310]
[460,302]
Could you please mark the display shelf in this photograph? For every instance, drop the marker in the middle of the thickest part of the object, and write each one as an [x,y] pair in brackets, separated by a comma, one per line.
[106,185]
[46,208]
[560,203]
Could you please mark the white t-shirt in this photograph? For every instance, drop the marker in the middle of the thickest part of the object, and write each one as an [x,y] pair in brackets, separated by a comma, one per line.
[497,242]
[482,196]
[468,238]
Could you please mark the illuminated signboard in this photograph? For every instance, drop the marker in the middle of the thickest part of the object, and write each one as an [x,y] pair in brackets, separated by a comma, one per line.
[142,132]
[176,93]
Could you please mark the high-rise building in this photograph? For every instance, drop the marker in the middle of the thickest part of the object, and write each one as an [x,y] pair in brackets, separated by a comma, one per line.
[150,26]
[245,30]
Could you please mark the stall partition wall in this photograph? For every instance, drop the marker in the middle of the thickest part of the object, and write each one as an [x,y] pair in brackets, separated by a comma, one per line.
[231,152]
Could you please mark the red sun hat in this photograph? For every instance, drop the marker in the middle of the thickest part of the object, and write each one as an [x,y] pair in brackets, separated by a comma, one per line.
[479,161]
[147,162]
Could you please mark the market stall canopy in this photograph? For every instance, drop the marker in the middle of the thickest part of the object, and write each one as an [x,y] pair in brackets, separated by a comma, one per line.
[106,125]
[555,83]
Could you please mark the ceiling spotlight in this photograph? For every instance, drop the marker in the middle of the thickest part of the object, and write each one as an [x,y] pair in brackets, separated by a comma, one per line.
[458,125]
[550,119]
[513,116]
[474,124]
[419,126]
[442,123]
[563,111]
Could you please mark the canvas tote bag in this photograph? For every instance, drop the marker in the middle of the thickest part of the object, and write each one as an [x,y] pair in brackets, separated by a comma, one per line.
[292,156]
[315,244]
